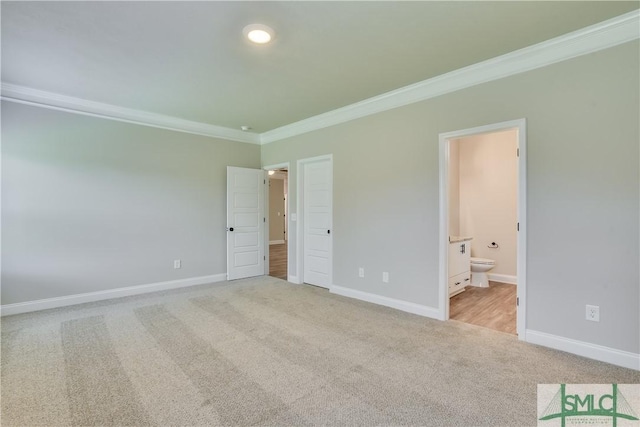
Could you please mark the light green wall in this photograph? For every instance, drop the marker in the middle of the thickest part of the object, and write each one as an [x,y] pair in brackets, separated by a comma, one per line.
[90,204]
[583,192]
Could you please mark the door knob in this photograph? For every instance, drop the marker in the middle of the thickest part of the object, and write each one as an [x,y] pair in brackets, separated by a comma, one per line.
[328,231]
[229,228]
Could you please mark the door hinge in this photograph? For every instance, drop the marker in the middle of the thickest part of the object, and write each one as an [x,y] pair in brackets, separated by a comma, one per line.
[517,152]
[518,227]
[518,301]
[264,219]
[264,181]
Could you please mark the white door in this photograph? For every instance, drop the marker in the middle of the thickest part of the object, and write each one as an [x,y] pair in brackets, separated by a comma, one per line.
[245,222]
[318,246]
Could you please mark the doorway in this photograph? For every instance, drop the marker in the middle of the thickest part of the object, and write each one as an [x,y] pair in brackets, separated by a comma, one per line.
[482,198]
[277,236]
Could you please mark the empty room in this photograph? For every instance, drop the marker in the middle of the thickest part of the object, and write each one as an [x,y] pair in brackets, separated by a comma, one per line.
[320,213]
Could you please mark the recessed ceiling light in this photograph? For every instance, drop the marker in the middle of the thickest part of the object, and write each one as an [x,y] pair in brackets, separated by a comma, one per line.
[245,128]
[258,33]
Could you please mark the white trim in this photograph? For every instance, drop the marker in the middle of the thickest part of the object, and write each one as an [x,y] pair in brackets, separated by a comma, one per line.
[581,348]
[45,304]
[276,242]
[443,264]
[503,278]
[600,36]
[40,98]
[521,126]
[294,279]
[409,307]
[603,35]
[521,260]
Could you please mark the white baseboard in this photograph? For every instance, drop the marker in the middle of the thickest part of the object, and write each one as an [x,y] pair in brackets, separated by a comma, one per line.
[503,278]
[45,304]
[294,279]
[276,242]
[581,348]
[409,307]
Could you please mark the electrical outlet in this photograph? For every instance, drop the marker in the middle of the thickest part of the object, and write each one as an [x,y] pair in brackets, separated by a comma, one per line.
[593,313]
[177,263]
[361,272]
[385,277]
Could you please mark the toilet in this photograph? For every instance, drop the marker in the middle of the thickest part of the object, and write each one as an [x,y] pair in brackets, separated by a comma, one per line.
[479,269]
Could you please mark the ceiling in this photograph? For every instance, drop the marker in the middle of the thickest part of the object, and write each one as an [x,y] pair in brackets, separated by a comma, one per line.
[189,59]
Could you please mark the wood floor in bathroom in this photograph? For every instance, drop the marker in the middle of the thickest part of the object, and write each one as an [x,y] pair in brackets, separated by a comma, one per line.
[493,307]
[278,261]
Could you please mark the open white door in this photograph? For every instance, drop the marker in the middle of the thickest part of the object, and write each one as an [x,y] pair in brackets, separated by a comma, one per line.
[245,222]
[318,247]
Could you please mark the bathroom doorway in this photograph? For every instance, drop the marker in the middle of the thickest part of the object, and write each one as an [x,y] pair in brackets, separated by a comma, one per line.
[278,188]
[482,227]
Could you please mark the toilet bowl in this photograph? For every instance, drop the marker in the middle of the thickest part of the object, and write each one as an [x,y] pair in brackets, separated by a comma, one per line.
[479,269]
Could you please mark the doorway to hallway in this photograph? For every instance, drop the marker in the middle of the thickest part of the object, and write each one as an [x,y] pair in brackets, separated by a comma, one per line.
[278,224]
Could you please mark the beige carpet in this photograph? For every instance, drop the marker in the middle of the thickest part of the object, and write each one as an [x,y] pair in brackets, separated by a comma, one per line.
[265,352]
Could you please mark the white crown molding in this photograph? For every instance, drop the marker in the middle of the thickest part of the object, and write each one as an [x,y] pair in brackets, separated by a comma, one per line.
[596,37]
[591,39]
[26,95]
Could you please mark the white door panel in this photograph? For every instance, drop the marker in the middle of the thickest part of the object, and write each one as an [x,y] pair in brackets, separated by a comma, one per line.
[246,259]
[245,222]
[245,200]
[246,219]
[317,196]
[246,239]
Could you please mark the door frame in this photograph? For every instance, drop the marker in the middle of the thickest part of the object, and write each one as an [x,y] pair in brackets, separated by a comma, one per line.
[266,212]
[300,165]
[444,158]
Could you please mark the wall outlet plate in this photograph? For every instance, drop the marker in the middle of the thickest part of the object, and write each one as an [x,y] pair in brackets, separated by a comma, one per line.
[385,277]
[361,272]
[177,263]
[593,313]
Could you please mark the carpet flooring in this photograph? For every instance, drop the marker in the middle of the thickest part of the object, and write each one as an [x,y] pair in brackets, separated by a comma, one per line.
[262,351]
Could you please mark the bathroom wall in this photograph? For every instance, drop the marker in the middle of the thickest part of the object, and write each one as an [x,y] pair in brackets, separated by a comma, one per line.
[488,197]
[276,209]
